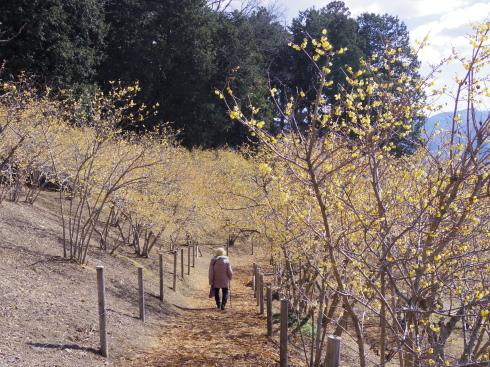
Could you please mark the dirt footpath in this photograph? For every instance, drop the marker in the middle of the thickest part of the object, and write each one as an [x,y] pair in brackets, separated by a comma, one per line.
[201,335]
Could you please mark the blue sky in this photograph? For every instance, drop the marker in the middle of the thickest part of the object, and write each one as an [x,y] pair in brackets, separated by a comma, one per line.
[446,22]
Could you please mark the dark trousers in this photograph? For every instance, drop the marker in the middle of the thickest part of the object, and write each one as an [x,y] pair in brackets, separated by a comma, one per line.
[225,297]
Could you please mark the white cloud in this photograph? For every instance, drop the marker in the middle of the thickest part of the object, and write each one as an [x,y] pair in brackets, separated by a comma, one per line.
[457,20]
[449,30]
[404,9]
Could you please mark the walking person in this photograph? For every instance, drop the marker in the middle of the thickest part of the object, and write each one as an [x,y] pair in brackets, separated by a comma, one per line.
[220,274]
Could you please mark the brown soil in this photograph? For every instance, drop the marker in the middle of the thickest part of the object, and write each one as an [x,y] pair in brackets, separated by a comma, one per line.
[49,307]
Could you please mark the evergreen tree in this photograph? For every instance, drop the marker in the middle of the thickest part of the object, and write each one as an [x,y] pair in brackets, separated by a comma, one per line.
[368,35]
[166,47]
[301,74]
[180,52]
[247,45]
[61,41]
[384,32]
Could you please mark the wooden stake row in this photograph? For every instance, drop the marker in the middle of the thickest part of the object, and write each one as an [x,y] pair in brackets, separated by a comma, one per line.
[192,252]
[333,343]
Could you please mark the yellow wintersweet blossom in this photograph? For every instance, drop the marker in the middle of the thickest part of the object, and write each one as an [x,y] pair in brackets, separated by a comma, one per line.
[219,94]
[384,230]
[236,113]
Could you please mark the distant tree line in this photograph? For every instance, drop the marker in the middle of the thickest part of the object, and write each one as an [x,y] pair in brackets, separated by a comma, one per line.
[180,51]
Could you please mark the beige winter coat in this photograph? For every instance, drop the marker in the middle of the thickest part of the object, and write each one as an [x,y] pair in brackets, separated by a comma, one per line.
[220,272]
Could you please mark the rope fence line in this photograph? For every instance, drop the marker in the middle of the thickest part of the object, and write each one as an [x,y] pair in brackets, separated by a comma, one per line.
[101,319]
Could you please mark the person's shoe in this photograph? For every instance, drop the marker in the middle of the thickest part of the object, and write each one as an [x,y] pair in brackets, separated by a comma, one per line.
[218,305]
[222,307]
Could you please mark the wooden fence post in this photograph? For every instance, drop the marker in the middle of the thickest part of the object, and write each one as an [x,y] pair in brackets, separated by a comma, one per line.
[104,346]
[274,267]
[141,298]
[256,293]
[182,263]
[257,286]
[261,293]
[333,351]
[278,274]
[283,337]
[162,289]
[254,281]
[175,271]
[269,310]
